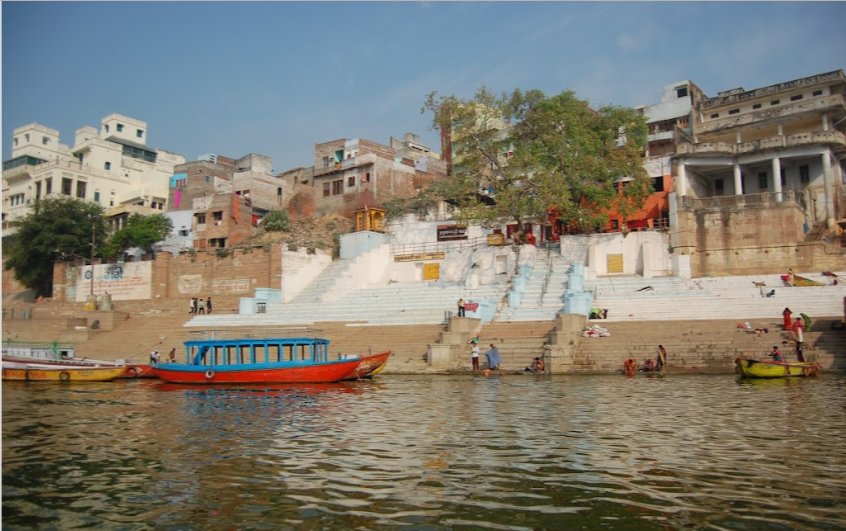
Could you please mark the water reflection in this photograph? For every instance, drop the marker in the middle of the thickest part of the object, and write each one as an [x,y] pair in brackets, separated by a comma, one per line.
[512,452]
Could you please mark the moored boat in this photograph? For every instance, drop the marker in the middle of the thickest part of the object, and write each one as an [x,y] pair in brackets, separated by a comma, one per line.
[775,369]
[64,355]
[46,372]
[238,358]
[369,366]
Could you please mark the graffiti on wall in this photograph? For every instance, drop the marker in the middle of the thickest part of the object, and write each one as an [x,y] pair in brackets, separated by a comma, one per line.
[231,287]
[126,281]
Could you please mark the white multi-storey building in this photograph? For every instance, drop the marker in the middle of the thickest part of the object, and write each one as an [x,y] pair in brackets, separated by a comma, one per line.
[112,167]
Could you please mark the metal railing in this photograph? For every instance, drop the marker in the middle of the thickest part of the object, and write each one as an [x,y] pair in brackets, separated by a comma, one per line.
[437,247]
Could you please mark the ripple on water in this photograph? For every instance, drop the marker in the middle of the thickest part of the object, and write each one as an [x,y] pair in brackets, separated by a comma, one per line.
[513,452]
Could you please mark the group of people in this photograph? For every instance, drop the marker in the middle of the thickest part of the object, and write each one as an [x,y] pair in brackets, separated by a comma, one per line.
[494,360]
[155,357]
[198,306]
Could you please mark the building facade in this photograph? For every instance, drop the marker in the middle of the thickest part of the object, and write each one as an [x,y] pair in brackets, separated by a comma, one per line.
[762,172]
[216,201]
[112,166]
[345,168]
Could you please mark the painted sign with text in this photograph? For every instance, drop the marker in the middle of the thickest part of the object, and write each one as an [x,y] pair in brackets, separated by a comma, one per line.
[448,233]
[124,282]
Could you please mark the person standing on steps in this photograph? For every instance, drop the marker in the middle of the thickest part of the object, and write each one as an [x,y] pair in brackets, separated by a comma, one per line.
[201,307]
[787,323]
[208,306]
[474,355]
[661,359]
[192,306]
[493,358]
[461,308]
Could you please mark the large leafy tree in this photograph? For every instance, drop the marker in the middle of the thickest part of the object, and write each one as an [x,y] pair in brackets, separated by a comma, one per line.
[139,231]
[57,228]
[518,155]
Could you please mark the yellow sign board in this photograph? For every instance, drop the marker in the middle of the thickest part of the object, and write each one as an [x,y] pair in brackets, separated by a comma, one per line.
[432,271]
[615,263]
[418,257]
[496,239]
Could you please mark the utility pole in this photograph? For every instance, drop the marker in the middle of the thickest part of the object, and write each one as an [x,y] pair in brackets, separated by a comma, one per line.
[93,241]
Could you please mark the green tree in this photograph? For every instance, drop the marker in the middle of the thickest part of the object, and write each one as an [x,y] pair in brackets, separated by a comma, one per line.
[57,228]
[277,221]
[532,153]
[139,231]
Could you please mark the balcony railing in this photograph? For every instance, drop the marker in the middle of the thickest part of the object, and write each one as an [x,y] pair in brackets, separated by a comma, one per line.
[728,148]
[772,89]
[816,104]
[766,199]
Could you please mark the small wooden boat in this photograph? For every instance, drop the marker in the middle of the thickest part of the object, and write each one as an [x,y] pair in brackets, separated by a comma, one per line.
[225,357]
[369,366]
[775,369]
[63,355]
[38,372]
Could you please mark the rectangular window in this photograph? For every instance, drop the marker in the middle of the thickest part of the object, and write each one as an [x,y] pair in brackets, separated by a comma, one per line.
[67,186]
[681,93]
[201,219]
[208,178]
[44,140]
[351,181]
[796,97]
[327,188]
[817,93]
[16,141]
[719,187]
[734,111]
[48,186]
[108,166]
[80,190]
[337,187]
[775,102]
[218,217]
[366,178]
[756,106]
[615,224]
[805,174]
[325,162]
[139,133]
[715,115]
[658,184]
[120,128]
[762,180]
[97,195]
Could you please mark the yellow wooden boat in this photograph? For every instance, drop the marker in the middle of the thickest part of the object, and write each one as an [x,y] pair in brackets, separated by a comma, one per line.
[33,372]
[775,369]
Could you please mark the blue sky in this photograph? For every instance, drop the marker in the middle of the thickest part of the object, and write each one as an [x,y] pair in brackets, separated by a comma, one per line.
[275,78]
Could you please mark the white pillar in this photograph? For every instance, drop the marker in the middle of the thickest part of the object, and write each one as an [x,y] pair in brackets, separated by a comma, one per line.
[738,180]
[825,122]
[828,180]
[681,186]
[777,177]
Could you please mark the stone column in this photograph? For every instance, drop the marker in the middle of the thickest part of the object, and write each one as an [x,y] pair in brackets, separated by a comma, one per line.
[828,180]
[682,178]
[777,178]
[738,180]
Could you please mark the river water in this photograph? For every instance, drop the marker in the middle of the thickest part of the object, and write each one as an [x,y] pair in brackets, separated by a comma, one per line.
[515,452]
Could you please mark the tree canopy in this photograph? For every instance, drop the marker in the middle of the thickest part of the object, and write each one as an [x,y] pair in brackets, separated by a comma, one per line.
[518,155]
[139,231]
[57,228]
[277,221]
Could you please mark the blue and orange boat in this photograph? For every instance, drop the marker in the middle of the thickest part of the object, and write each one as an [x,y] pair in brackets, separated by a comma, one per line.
[289,356]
